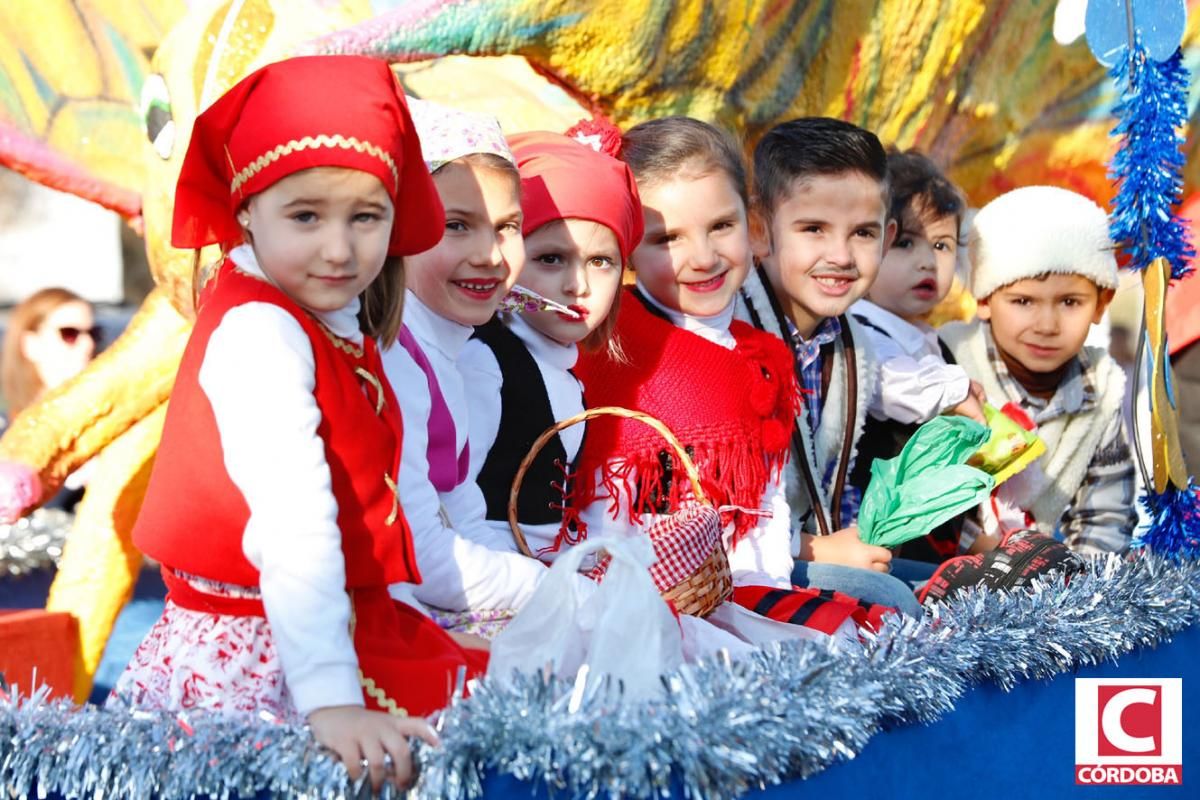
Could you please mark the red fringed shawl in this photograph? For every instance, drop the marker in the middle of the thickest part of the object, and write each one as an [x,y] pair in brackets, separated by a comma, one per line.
[732,409]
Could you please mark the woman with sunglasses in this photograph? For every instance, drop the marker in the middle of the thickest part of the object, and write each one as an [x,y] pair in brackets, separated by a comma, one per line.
[51,337]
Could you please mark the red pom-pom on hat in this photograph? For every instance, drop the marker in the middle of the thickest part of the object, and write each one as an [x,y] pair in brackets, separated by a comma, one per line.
[312,111]
[597,133]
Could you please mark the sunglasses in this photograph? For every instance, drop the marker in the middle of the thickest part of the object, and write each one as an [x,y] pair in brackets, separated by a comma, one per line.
[70,334]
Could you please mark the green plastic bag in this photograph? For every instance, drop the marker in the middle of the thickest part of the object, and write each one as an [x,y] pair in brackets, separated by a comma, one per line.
[926,485]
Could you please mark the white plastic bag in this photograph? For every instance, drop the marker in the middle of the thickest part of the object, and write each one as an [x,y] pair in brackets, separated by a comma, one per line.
[622,627]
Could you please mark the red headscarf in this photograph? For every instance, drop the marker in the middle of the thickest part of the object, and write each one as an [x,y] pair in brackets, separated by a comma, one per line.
[564,179]
[313,111]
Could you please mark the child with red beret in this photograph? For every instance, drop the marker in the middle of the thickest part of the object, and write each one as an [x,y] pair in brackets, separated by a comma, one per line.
[272,505]
[582,220]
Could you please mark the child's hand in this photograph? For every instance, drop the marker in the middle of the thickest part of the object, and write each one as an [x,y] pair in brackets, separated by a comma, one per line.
[977,392]
[358,735]
[845,547]
[973,406]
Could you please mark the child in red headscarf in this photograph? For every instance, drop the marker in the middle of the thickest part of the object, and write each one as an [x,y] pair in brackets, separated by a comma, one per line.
[272,505]
[582,219]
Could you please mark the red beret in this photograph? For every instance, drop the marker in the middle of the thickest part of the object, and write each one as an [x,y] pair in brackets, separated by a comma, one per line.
[563,179]
[312,111]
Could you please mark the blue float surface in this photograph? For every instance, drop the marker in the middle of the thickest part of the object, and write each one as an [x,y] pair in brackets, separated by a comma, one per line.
[995,745]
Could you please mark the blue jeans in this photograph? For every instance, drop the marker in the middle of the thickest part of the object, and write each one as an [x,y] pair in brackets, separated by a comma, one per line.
[864,584]
[914,573]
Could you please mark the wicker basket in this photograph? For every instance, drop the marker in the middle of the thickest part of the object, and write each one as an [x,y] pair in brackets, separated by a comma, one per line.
[711,583]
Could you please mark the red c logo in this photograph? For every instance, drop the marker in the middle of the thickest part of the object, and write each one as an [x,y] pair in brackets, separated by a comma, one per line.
[1130,721]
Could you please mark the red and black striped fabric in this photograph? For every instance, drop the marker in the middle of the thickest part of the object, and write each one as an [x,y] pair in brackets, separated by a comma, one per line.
[823,610]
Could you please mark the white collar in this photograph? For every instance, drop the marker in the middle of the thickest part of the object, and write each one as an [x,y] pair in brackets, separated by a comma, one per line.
[715,328]
[342,323]
[542,347]
[912,338]
[434,330]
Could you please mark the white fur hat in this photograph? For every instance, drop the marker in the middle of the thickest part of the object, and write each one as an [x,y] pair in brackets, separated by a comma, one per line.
[1034,230]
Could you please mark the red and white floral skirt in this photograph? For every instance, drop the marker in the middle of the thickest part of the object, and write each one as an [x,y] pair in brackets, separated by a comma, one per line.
[203,660]
[228,662]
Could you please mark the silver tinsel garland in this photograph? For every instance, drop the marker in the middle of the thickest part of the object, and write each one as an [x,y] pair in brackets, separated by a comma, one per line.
[33,543]
[720,728]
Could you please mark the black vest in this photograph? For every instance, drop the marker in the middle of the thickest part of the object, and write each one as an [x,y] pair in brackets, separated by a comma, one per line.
[885,439]
[525,413]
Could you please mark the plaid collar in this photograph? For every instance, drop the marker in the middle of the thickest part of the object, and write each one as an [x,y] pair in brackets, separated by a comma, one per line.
[1076,393]
[808,351]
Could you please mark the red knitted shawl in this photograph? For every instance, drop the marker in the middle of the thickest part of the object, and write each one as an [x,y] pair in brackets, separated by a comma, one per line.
[732,409]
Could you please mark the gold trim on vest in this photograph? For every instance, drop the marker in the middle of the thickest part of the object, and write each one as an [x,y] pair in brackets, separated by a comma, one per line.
[375,383]
[395,512]
[341,344]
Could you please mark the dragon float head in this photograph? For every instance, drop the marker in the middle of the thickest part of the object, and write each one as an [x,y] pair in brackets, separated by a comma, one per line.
[70,81]
[206,53]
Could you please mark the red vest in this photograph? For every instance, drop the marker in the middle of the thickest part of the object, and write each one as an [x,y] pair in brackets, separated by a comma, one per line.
[193,517]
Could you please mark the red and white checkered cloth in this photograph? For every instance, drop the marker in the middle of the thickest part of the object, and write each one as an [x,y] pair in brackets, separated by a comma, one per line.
[682,542]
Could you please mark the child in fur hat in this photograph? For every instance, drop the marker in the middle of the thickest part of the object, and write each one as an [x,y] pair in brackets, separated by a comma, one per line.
[1043,271]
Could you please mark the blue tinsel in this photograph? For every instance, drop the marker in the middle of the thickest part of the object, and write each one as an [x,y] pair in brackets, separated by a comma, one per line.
[1174,529]
[1147,167]
[1151,113]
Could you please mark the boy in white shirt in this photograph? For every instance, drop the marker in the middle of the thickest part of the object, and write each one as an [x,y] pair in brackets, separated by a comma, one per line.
[918,376]
[916,381]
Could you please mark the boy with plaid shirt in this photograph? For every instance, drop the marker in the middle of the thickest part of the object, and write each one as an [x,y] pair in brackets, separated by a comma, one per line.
[820,228]
[1042,270]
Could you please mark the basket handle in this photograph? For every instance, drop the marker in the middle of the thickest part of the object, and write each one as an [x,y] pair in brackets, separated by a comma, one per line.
[689,466]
